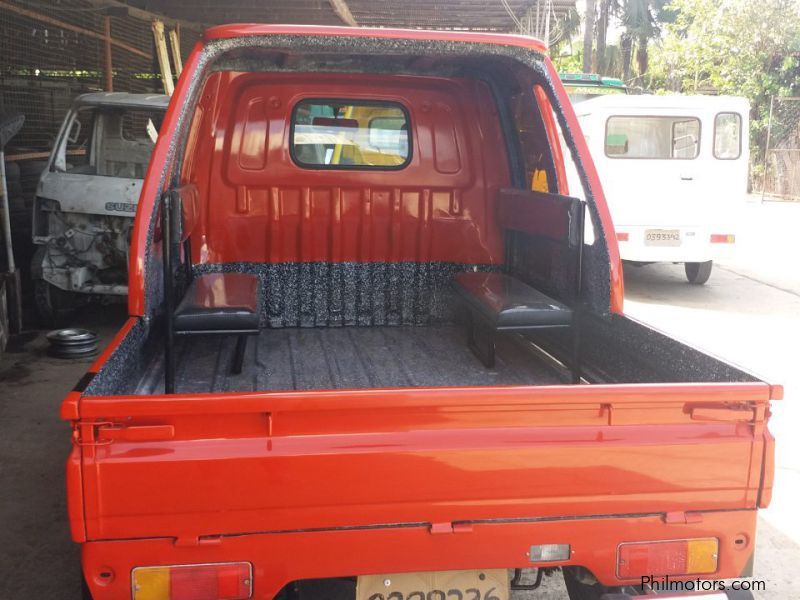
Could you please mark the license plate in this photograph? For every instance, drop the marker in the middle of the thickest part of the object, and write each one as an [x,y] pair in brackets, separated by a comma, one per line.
[662,237]
[491,584]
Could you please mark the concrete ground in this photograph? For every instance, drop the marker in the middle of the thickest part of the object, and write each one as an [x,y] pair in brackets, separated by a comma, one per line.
[748,313]
[37,558]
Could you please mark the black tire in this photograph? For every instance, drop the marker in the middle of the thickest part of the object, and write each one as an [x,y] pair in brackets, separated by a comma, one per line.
[578,587]
[581,585]
[54,306]
[85,593]
[698,272]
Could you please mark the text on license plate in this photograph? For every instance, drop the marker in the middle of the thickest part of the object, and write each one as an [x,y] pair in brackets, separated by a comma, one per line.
[662,237]
[490,584]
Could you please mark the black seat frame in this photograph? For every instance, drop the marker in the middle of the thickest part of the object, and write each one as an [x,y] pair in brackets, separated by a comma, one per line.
[476,320]
[171,224]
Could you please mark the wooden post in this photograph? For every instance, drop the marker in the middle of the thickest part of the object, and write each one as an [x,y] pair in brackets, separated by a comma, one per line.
[109,63]
[163,56]
[175,46]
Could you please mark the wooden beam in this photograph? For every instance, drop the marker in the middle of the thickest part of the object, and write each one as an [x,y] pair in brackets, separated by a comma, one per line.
[343,12]
[39,155]
[163,57]
[109,64]
[37,16]
[175,47]
[147,15]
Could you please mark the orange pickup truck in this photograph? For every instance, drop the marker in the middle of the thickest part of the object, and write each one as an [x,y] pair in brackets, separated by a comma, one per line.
[376,347]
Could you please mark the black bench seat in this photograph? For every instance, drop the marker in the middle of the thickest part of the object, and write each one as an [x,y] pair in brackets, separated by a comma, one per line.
[508,303]
[214,302]
[497,302]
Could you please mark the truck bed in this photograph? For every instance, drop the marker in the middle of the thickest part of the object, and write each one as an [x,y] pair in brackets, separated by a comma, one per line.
[347,358]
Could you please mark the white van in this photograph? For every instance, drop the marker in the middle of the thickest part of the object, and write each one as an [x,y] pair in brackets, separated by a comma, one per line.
[674,172]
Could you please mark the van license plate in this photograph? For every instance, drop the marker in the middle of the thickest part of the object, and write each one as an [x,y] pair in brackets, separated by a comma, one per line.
[662,237]
[491,584]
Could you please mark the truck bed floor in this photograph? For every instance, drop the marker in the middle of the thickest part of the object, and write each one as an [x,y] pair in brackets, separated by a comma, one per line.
[346,358]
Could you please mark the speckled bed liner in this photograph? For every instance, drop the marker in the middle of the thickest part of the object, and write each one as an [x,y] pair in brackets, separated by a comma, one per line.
[347,358]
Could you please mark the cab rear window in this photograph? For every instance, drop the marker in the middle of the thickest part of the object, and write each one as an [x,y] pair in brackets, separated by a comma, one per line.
[350,134]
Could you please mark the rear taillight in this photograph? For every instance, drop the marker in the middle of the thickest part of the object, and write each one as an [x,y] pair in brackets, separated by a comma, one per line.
[674,557]
[622,237]
[224,581]
[723,238]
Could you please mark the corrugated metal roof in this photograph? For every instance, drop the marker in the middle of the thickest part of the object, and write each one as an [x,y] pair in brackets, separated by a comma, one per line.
[486,15]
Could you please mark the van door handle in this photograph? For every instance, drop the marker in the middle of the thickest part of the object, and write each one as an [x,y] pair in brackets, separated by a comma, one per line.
[687,177]
[136,433]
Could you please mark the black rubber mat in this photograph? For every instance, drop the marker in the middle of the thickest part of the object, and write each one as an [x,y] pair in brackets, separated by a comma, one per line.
[347,358]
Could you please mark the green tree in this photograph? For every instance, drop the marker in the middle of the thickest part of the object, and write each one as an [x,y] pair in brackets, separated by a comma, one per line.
[737,47]
[641,21]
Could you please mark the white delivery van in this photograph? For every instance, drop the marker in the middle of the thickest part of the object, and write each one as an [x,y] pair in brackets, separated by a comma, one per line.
[674,172]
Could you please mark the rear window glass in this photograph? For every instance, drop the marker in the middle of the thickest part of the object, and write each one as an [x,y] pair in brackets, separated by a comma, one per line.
[652,137]
[728,136]
[346,134]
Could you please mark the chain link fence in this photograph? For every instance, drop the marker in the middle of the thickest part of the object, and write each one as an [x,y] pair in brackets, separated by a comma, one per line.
[781,166]
[50,52]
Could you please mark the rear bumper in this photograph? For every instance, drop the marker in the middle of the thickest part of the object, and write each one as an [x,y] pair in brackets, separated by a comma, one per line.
[281,557]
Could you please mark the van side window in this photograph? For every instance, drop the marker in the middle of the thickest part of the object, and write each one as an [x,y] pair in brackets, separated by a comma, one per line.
[652,137]
[342,134]
[728,136]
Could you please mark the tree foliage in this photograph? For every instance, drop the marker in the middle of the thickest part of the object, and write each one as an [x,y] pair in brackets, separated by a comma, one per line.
[737,47]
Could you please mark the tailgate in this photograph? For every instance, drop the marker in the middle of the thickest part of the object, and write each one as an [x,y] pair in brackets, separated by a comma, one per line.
[205,465]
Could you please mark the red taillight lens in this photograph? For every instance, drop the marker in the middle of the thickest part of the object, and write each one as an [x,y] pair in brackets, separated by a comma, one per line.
[227,581]
[723,238]
[678,557]
[622,237]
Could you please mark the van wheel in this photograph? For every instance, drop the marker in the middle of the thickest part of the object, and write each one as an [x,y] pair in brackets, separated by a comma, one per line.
[53,306]
[582,585]
[698,272]
[85,593]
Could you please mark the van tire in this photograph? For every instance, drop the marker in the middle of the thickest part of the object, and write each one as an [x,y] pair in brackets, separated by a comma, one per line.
[85,593]
[54,306]
[698,272]
[581,584]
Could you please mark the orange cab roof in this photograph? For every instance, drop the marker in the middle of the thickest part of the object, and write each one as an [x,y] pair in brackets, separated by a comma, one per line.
[500,39]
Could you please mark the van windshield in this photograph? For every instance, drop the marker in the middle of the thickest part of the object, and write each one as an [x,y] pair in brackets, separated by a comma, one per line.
[652,137]
[110,142]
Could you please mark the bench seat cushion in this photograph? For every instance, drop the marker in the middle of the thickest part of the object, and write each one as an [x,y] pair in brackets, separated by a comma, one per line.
[509,303]
[220,301]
